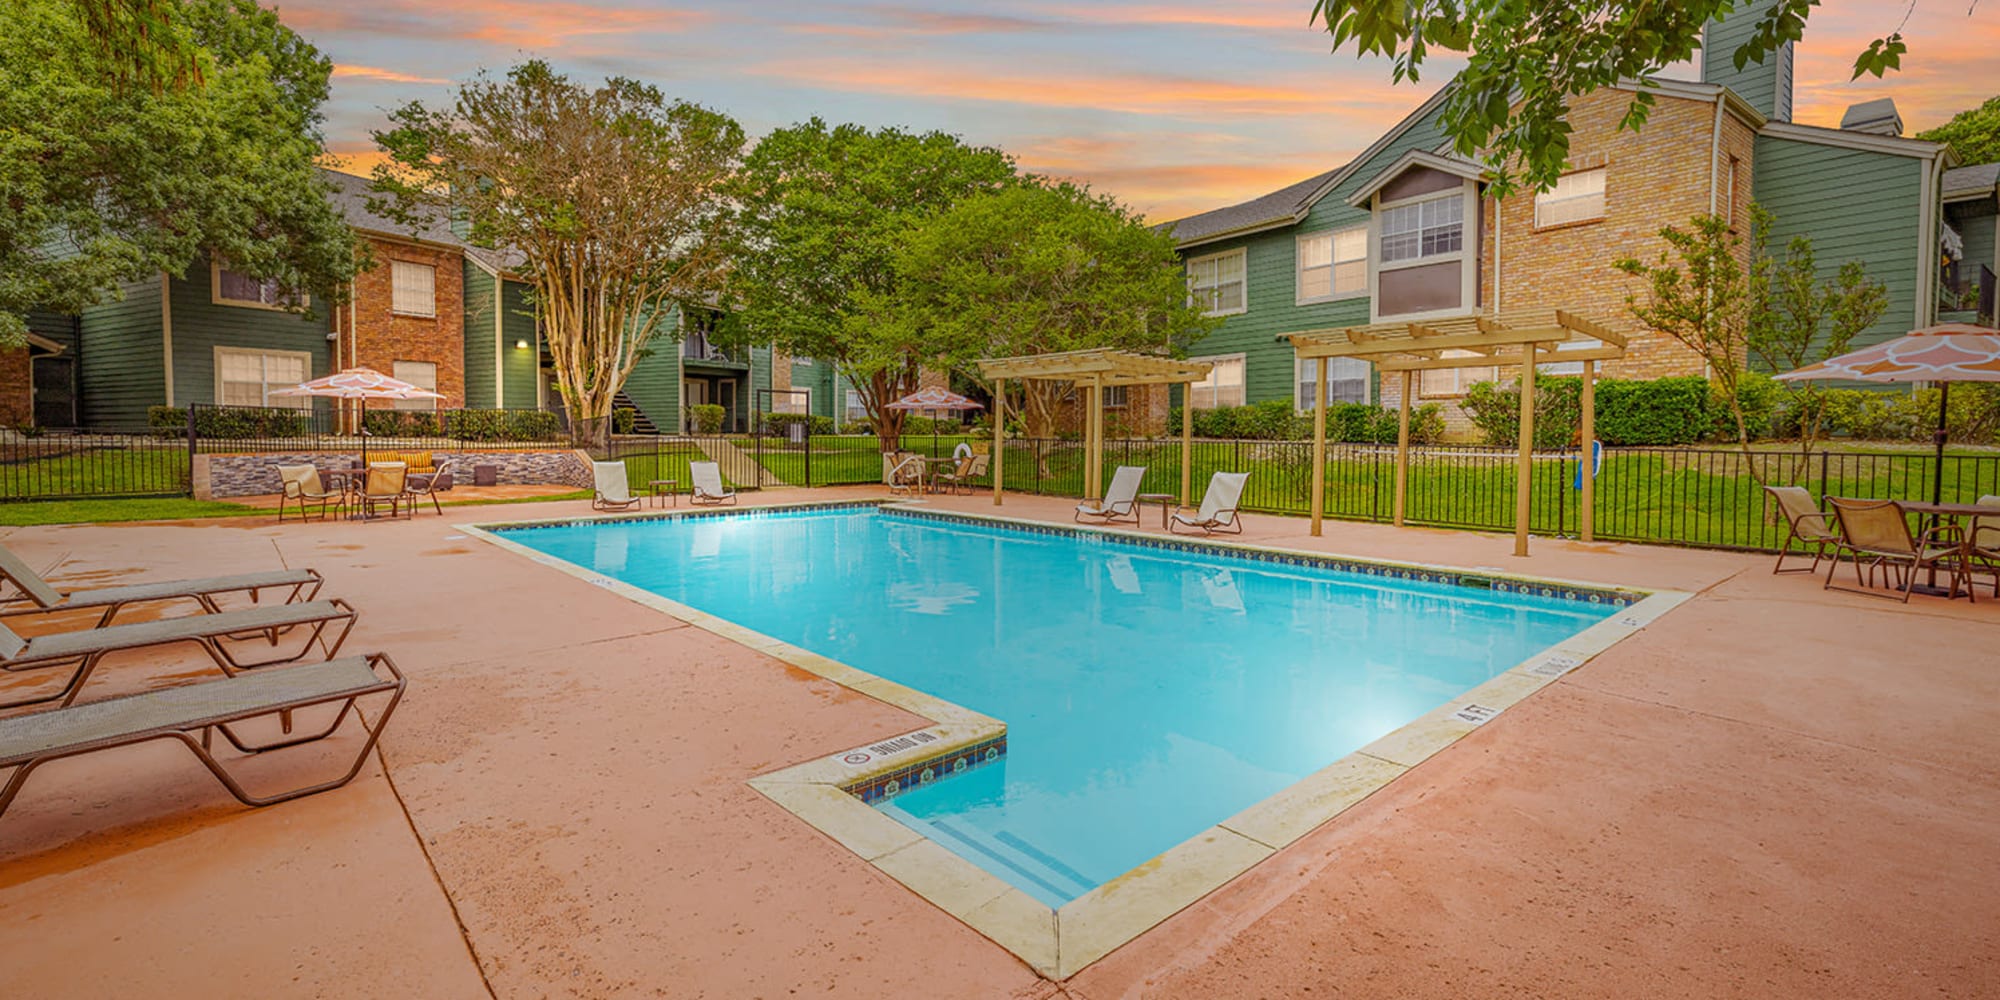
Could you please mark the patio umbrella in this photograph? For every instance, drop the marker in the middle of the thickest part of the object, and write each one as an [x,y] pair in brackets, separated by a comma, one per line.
[935,400]
[358,383]
[1946,353]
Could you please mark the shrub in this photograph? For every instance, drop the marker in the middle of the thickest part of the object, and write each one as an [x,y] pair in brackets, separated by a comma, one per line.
[400,423]
[1496,410]
[708,417]
[231,422]
[623,419]
[1661,411]
[1274,420]
[776,423]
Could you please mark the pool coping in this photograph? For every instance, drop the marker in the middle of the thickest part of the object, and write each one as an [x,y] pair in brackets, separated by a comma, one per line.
[1059,942]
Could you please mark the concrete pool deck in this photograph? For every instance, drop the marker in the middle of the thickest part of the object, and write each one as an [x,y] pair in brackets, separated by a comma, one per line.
[1772,791]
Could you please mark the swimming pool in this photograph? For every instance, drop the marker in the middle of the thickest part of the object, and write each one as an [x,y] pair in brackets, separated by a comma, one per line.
[1149,692]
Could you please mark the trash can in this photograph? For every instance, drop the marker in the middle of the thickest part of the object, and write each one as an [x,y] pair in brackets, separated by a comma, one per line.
[795,433]
[485,475]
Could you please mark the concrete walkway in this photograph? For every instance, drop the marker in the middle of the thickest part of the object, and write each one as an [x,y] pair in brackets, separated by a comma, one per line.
[1772,792]
[736,466]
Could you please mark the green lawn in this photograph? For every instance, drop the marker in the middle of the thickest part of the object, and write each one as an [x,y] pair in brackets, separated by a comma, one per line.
[57,469]
[110,510]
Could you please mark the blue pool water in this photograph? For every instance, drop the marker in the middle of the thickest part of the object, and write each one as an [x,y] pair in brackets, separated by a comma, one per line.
[1149,694]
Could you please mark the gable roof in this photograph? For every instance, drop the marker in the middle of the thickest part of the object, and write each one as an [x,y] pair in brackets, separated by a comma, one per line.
[350,195]
[1281,207]
[1454,165]
[1977,181]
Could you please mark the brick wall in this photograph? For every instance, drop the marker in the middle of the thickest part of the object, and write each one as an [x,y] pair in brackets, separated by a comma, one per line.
[380,337]
[17,405]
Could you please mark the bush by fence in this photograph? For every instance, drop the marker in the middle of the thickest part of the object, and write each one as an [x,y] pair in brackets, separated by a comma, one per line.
[1278,420]
[232,422]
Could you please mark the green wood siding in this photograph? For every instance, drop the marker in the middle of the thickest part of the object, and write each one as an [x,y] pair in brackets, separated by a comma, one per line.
[520,367]
[751,402]
[1855,205]
[817,377]
[655,382]
[1766,86]
[1271,260]
[122,365]
[200,326]
[479,336]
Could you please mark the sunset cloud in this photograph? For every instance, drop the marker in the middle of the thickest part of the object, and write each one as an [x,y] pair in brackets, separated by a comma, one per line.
[377,73]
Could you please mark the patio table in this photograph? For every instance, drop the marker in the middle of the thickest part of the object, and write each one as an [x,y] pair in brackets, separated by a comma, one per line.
[1165,500]
[931,467]
[1953,511]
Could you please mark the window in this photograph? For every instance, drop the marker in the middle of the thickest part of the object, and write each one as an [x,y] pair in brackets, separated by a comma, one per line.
[423,375]
[233,289]
[1577,197]
[1117,396]
[1452,382]
[1215,283]
[1333,264]
[1223,386]
[412,289]
[246,378]
[1346,381]
[791,401]
[856,410]
[1430,228]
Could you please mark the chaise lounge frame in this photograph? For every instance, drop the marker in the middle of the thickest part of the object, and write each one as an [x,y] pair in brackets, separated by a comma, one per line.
[37,596]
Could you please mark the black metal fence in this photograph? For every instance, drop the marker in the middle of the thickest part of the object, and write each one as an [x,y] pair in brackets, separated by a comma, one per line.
[78,464]
[238,429]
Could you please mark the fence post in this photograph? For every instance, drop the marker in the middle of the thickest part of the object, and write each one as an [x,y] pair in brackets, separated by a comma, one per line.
[760,453]
[1822,475]
[191,448]
[1562,496]
[807,437]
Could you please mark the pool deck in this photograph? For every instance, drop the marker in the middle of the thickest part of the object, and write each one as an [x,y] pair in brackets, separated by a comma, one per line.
[1772,791]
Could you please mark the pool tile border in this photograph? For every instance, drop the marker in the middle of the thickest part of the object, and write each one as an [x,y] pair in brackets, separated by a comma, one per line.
[833,794]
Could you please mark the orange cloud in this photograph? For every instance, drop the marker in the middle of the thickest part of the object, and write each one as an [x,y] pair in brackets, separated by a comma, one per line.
[519,23]
[377,73]
[1279,16]
[1949,66]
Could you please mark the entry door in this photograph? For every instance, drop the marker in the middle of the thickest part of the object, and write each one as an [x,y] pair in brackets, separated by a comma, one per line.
[725,396]
[55,391]
[694,392]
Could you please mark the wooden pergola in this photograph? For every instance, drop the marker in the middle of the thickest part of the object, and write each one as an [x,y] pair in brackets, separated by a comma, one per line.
[1093,369]
[1523,339]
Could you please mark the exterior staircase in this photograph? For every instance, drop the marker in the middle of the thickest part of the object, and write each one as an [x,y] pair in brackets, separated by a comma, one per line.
[641,423]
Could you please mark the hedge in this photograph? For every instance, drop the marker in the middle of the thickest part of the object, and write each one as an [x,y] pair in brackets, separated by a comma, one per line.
[1276,420]
[231,421]
[777,423]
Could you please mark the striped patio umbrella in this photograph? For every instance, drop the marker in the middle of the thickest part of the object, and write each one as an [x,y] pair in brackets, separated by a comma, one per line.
[1946,353]
[935,400]
[363,384]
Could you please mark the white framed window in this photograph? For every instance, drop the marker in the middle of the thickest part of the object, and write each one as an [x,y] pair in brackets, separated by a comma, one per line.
[228,288]
[1333,265]
[1450,383]
[423,375]
[1222,387]
[1217,283]
[1346,381]
[1117,396]
[791,401]
[246,378]
[1577,196]
[1422,230]
[856,409]
[412,289]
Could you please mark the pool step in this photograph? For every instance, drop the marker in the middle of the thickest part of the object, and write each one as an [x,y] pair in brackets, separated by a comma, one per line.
[1018,862]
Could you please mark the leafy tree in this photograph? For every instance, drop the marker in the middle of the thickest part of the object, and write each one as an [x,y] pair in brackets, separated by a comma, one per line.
[1973,134]
[1541,55]
[139,44]
[1796,319]
[823,214]
[104,183]
[610,198]
[1035,269]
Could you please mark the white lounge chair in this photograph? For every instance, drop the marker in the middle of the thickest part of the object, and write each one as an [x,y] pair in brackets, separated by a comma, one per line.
[609,491]
[707,484]
[1218,506]
[1120,501]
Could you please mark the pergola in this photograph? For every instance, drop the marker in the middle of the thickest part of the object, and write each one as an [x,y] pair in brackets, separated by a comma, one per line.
[1094,369]
[1526,339]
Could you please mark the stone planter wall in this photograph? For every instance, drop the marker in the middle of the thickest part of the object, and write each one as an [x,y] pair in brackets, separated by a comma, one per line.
[219,477]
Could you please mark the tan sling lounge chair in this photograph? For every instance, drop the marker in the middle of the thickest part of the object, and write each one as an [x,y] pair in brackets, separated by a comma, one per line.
[303,489]
[38,596]
[1982,544]
[194,713]
[965,475]
[1877,534]
[1806,524]
[425,486]
[83,650]
[1218,506]
[383,485]
[1121,498]
[609,490]
[706,487]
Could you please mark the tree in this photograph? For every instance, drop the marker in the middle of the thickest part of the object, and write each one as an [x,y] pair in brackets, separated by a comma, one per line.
[138,43]
[1526,60]
[104,183]
[1040,268]
[610,198]
[1796,319]
[823,213]
[1973,134]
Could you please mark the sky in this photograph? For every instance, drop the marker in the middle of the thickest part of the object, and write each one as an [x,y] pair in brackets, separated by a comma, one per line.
[1173,106]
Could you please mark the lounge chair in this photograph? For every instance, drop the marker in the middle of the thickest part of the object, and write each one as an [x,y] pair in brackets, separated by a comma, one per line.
[38,596]
[83,649]
[609,490]
[1877,533]
[964,476]
[1804,523]
[705,479]
[383,485]
[303,487]
[425,486]
[1218,506]
[1120,501]
[193,713]
[1982,543]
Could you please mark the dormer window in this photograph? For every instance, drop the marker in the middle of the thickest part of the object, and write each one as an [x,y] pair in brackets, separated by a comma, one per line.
[1425,210]
[1433,227]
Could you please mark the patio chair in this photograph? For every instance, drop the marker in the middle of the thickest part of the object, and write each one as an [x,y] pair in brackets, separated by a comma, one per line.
[1218,506]
[905,472]
[426,487]
[705,484]
[193,713]
[965,474]
[38,596]
[383,486]
[302,486]
[1877,533]
[83,650]
[1804,523]
[1121,499]
[609,490]
[1982,542]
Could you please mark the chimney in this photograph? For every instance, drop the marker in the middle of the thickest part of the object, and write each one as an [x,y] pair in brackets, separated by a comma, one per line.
[1876,117]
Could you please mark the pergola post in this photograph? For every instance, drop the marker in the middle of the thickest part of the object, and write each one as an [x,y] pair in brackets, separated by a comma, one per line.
[1187,440]
[999,436]
[1093,436]
[1524,476]
[1403,444]
[1319,446]
[1586,514]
